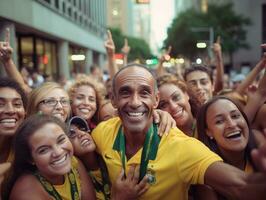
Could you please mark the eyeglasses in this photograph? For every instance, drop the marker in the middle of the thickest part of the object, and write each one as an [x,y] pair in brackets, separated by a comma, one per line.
[73,132]
[54,102]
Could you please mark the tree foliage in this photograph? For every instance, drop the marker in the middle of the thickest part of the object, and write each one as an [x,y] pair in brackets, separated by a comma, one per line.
[221,17]
[139,49]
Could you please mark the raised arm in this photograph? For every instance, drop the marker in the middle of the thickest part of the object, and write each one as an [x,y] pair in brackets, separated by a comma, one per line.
[234,183]
[110,49]
[6,58]
[217,49]
[252,75]
[125,50]
[257,99]
[165,57]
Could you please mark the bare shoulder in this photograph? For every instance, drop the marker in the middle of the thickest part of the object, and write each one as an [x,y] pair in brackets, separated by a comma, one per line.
[27,187]
[87,189]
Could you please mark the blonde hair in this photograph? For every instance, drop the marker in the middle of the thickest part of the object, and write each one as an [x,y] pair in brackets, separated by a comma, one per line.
[87,81]
[234,95]
[38,94]
[171,79]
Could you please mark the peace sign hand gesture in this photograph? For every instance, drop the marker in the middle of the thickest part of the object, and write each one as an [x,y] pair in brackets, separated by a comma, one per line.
[5,49]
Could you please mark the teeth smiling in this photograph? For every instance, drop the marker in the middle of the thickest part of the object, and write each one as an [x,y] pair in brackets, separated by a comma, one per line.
[8,121]
[84,110]
[60,161]
[58,114]
[233,134]
[85,142]
[177,114]
[135,114]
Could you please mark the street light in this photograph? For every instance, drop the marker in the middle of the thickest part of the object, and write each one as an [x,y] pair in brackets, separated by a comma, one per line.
[211,36]
[201,45]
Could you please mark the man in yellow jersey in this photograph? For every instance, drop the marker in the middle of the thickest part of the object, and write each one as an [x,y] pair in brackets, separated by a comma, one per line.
[169,164]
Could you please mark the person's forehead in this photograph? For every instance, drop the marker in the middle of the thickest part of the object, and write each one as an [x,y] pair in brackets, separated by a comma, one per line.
[197,75]
[135,70]
[223,105]
[6,92]
[134,74]
[56,92]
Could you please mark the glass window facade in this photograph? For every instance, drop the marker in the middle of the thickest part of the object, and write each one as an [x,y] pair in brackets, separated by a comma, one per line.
[37,54]
[77,64]
[89,14]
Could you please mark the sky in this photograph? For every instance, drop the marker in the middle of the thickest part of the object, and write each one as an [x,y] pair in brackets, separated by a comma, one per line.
[162,14]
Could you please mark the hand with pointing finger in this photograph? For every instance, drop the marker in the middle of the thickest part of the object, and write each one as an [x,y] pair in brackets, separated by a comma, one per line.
[125,49]
[109,44]
[217,49]
[166,55]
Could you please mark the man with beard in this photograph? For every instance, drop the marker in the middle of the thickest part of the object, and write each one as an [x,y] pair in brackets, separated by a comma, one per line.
[170,164]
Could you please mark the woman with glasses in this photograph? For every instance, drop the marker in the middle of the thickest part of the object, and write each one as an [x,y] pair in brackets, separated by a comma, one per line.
[51,99]
[44,166]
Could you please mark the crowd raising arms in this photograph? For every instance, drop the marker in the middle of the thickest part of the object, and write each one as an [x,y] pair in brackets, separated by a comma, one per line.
[135,98]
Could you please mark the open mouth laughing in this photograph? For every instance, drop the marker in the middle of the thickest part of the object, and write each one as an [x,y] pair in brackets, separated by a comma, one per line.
[234,135]
[60,161]
[8,123]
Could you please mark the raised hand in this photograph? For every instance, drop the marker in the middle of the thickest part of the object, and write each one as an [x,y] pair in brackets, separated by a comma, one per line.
[263,59]
[128,188]
[259,154]
[166,55]
[5,49]
[125,49]
[109,43]
[217,49]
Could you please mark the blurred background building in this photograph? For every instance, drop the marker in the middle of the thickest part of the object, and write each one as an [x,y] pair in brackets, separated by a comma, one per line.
[132,17]
[256,32]
[55,37]
[120,15]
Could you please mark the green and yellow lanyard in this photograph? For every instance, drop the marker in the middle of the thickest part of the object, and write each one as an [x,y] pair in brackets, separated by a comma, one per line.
[52,191]
[149,152]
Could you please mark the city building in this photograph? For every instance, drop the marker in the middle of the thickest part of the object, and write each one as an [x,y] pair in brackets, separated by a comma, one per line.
[55,37]
[120,15]
[132,17]
[256,32]
[142,21]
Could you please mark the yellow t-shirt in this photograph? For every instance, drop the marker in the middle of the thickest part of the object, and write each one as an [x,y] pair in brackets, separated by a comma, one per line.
[180,161]
[64,189]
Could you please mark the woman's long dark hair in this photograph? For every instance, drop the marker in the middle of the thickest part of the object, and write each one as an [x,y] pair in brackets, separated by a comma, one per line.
[211,143]
[22,163]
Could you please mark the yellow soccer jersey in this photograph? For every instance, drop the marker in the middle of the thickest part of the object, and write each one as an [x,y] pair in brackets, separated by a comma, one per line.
[64,189]
[180,161]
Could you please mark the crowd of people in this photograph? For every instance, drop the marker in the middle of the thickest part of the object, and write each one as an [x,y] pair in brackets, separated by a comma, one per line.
[136,135]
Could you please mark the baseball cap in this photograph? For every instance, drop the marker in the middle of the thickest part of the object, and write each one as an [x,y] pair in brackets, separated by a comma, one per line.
[80,122]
